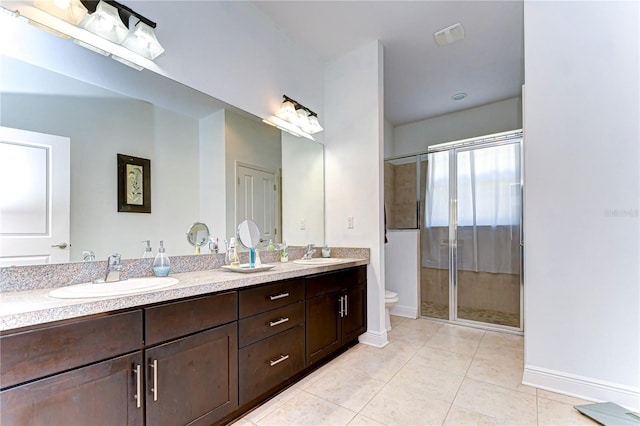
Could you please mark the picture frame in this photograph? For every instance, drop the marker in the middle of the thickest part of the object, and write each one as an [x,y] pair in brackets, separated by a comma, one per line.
[134,184]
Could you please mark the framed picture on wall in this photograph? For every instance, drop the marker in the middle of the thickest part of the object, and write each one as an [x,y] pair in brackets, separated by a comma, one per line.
[134,184]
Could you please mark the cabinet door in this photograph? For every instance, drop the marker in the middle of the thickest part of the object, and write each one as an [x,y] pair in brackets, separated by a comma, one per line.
[323,326]
[193,380]
[354,320]
[106,393]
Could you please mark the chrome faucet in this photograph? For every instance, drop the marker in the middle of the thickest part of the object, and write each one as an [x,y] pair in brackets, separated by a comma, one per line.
[308,253]
[113,268]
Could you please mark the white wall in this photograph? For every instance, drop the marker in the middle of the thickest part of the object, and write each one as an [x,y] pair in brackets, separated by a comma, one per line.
[302,191]
[402,270]
[389,144]
[232,51]
[353,167]
[483,120]
[582,184]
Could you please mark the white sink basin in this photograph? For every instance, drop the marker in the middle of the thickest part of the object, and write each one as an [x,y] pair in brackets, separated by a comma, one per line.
[118,288]
[319,261]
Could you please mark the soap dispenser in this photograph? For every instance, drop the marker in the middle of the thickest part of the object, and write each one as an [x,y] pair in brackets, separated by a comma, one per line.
[232,258]
[148,253]
[161,262]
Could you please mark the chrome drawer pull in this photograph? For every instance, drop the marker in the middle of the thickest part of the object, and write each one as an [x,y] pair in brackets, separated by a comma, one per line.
[138,396]
[278,296]
[279,360]
[154,389]
[341,307]
[346,306]
[280,321]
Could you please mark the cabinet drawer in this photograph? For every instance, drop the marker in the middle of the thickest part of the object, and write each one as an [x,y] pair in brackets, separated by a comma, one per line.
[322,284]
[40,352]
[260,299]
[269,323]
[178,319]
[268,363]
[330,282]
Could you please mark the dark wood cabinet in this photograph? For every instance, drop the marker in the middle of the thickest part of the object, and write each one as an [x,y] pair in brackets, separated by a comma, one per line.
[193,380]
[336,311]
[272,337]
[105,393]
[197,361]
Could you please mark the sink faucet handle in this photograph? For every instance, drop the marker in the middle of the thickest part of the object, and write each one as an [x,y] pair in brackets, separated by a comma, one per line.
[114,259]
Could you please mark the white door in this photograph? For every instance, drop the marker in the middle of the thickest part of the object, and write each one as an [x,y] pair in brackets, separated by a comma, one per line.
[257,199]
[34,198]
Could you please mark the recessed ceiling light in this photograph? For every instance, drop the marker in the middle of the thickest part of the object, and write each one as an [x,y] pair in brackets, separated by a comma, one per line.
[459,96]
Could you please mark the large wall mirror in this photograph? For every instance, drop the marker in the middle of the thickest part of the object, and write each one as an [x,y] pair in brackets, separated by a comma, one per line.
[209,162]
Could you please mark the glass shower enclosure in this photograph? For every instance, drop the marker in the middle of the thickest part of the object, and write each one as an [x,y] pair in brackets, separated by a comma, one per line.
[469,211]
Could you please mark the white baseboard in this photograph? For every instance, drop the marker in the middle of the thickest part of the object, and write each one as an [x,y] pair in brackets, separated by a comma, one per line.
[378,340]
[404,311]
[582,387]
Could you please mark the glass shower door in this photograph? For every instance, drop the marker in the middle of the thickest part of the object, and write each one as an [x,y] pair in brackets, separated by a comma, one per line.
[435,249]
[487,203]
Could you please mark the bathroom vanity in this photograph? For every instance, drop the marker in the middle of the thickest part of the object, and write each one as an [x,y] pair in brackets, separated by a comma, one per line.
[201,359]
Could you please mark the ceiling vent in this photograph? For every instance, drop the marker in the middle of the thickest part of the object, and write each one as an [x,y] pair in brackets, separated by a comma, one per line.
[449,35]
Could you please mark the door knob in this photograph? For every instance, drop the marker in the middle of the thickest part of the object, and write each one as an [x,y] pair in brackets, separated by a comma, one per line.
[61,246]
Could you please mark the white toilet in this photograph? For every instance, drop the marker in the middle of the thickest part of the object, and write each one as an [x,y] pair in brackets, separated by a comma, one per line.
[390,299]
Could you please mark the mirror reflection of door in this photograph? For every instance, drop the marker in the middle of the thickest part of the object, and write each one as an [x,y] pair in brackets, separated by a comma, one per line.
[34,198]
[257,199]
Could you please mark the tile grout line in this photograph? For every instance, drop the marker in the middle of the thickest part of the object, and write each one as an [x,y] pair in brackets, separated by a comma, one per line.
[484,333]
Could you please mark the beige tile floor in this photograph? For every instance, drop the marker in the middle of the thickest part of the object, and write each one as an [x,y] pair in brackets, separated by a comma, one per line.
[430,373]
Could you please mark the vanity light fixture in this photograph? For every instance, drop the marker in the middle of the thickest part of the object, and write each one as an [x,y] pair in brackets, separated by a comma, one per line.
[143,41]
[106,23]
[102,28]
[296,119]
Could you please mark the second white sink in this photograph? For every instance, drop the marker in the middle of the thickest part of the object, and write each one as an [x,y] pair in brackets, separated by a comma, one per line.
[319,261]
[117,288]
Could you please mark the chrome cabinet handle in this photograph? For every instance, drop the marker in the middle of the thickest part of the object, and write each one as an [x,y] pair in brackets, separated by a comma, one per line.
[278,296]
[154,389]
[279,360]
[138,395]
[278,322]
[341,306]
[346,306]
[61,246]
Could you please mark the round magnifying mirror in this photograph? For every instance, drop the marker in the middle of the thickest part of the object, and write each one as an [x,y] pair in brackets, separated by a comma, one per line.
[249,234]
[198,234]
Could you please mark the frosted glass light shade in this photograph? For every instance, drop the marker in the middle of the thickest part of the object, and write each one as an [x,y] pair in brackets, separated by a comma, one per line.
[287,111]
[143,41]
[72,11]
[106,23]
[314,125]
[302,120]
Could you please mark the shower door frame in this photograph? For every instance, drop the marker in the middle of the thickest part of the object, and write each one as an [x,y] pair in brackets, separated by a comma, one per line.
[507,138]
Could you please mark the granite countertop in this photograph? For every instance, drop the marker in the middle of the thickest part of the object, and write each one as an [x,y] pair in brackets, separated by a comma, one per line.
[32,307]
